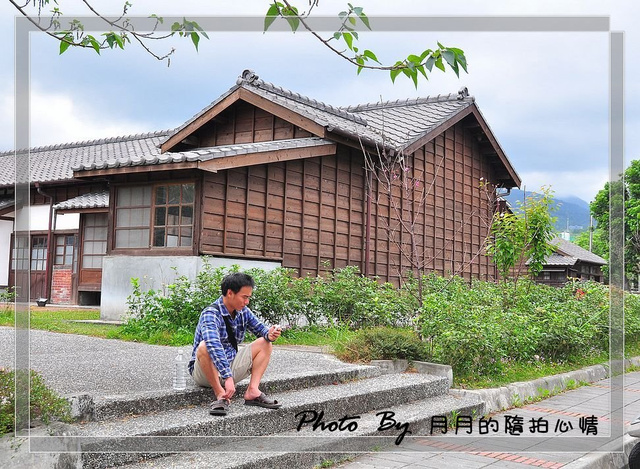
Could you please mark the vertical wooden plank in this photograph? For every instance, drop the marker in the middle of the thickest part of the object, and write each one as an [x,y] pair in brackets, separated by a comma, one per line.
[266,212]
[226,203]
[320,214]
[246,208]
[303,204]
[335,218]
[350,208]
[284,215]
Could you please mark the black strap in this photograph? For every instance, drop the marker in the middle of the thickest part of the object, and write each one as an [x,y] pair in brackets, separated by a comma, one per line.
[230,333]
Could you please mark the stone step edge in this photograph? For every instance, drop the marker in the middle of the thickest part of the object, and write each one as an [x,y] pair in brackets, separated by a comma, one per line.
[419,423]
[361,395]
[85,408]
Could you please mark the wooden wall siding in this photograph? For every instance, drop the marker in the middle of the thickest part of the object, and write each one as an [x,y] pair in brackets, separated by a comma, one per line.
[307,213]
[245,123]
[452,224]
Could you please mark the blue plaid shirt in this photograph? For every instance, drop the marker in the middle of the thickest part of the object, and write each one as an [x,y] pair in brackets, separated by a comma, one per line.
[213,330]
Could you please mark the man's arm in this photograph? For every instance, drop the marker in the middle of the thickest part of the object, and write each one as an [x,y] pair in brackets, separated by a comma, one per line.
[211,336]
[258,328]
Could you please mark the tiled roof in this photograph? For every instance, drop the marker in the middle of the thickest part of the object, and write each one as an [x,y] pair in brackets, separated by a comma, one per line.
[568,253]
[203,154]
[92,200]
[404,122]
[394,125]
[56,162]
[559,259]
[573,250]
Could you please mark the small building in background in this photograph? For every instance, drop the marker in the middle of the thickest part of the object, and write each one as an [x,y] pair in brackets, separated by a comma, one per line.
[570,260]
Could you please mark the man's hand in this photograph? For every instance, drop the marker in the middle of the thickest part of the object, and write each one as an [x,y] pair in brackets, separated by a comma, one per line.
[274,332]
[229,388]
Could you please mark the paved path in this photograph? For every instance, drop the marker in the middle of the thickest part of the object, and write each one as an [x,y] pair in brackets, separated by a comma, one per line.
[523,449]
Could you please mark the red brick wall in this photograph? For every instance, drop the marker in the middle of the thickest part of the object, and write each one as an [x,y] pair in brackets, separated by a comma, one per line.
[61,285]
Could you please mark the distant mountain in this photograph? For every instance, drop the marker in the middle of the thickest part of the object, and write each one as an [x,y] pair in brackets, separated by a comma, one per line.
[572,212]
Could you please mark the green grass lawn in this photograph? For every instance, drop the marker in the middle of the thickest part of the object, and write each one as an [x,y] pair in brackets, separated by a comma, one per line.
[60,320]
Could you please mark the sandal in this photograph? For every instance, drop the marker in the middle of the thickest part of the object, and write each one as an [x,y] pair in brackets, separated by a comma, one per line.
[219,407]
[263,401]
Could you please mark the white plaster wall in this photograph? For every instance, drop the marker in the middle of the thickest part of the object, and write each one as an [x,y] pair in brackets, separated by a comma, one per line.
[67,221]
[38,217]
[6,228]
[153,272]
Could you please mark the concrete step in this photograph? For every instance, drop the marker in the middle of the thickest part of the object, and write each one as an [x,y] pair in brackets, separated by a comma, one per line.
[308,448]
[118,406]
[115,442]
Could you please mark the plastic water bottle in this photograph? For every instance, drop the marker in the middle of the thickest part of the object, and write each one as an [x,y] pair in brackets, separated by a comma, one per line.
[180,372]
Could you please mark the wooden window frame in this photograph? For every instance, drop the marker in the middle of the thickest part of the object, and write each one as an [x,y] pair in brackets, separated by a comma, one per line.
[151,249]
[65,249]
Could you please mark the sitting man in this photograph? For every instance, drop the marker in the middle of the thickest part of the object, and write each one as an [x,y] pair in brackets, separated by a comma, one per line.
[216,361]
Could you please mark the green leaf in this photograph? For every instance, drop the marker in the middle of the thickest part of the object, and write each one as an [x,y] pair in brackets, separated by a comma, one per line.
[294,22]
[425,54]
[394,73]
[159,19]
[439,64]
[365,20]
[272,14]
[110,40]
[367,53]
[202,32]
[449,56]
[348,38]
[357,10]
[355,34]
[430,61]
[119,41]
[415,59]
[95,44]
[176,27]
[64,44]
[420,68]
[352,20]
[337,35]
[195,38]
[462,60]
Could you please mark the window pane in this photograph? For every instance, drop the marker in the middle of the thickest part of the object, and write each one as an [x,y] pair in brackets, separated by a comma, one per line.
[174,194]
[158,237]
[188,192]
[160,216]
[161,195]
[59,250]
[124,197]
[187,215]
[185,236]
[172,236]
[68,259]
[174,216]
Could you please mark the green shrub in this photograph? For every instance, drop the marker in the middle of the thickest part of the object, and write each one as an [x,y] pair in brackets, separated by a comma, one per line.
[342,298]
[45,404]
[383,343]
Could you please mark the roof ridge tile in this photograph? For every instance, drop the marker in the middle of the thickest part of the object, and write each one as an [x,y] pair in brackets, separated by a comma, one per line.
[408,102]
[250,79]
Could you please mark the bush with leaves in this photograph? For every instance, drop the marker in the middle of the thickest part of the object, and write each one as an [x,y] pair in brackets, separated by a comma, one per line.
[383,343]
[466,327]
[344,297]
[45,404]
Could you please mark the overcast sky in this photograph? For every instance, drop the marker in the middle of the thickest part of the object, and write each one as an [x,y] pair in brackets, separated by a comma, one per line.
[544,94]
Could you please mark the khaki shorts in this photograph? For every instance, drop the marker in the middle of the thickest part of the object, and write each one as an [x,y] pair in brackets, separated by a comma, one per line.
[240,368]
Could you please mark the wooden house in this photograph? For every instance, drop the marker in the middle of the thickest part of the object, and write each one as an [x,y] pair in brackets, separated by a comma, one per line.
[570,261]
[267,176]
